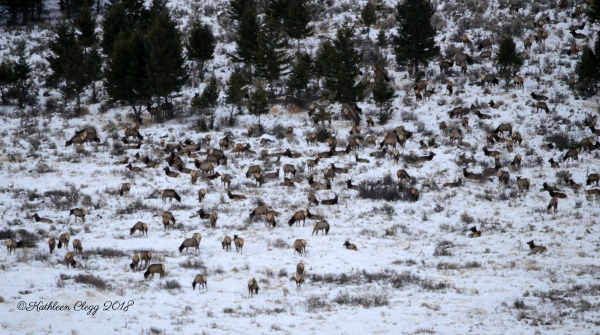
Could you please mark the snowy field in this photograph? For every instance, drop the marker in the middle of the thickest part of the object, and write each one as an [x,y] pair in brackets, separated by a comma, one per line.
[416,271]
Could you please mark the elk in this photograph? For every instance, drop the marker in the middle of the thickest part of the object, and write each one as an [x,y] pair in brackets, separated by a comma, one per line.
[592,178]
[553,164]
[322,226]
[146,256]
[350,246]
[226,180]
[289,169]
[541,105]
[167,218]
[226,243]
[70,260]
[252,170]
[135,169]
[213,219]
[253,287]
[504,127]
[311,138]
[516,137]
[474,232]
[300,246]
[318,185]
[11,245]
[239,243]
[299,279]
[457,183]
[333,201]
[88,134]
[538,97]
[51,244]
[141,226]
[297,217]
[553,203]
[133,132]
[445,65]
[78,213]
[206,167]
[201,194]
[77,246]
[518,81]
[312,199]
[503,177]
[593,192]
[471,175]
[311,163]
[536,249]
[199,280]
[125,188]
[37,218]
[482,116]
[154,268]
[484,44]
[402,174]
[352,186]
[485,54]
[170,194]
[193,241]
[169,173]
[523,183]
[64,239]
[360,160]
[572,154]
[135,261]
[489,79]
[236,197]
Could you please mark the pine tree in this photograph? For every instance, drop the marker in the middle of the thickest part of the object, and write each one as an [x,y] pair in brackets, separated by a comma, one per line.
[85,23]
[382,41]
[22,75]
[69,63]
[508,61]
[122,16]
[383,93]
[7,79]
[270,58]
[415,43]
[210,95]
[338,63]
[235,89]
[237,8]
[593,11]
[165,64]
[247,35]
[258,104]
[200,45]
[369,14]
[300,76]
[587,73]
[125,74]
[296,21]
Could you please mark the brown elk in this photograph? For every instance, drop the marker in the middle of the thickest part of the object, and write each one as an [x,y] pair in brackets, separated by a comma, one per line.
[170,194]
[154,268]
[135,261]
[312,199]
[300,246]
[523,183]
[350,246]
[471,175]
[37,218]
[167,219]
[141,227]
[213,219]
[51,244]
[553,163]
[192,242]
[239,243]
[571,154]
[200,280]
[541,105]
[536,249]
[457,183]
[253,287]
[125,188]
[333,201]
[474,232]
[504,127]
[77,246]
[226,243]
[64,239]
[70,259]
[297,217]
[553,203]
[201,194]
[503,177]
[78,213]
[592,178]
[518,81]
[236,197]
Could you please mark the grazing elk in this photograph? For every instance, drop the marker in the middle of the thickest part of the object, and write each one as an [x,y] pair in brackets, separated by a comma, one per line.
[200,280]
[592,178]
[322,226]
[516,162]
[135,261]
[571,154]
[70,259]
[299,279]
[77,246]
[154,268]
[252,170]
[312,199]
[300,246]
[193,241]
[226,243]
[168,219]
[125,188]
[252,287]
[523,183]
[541,105]
[503,177]
[504,127]
[141,227]
[201,194]
[78,213]
[64,239]
[239,243]
[170,194]
[297,217]
[146,256]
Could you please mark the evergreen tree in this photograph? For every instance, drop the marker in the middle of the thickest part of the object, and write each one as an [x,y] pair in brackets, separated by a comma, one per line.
[235,89]
[300,76]
[338,64]
[382,41]
[383,93]
[593,11]
[587,71]
[70,63]
[22,11]
[237,8]
[210,95]
[85,23]
[125,74]
[415,43]
[508,61]
[277,10]
[165,64]
[122,16]
[270,58]
[7,79]
[247,35]
[22,75]
[296,21]
[369,14]
[200,45]
[258,104]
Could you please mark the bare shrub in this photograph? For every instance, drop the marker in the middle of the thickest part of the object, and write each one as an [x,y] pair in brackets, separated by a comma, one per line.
[92,280]
[366,300]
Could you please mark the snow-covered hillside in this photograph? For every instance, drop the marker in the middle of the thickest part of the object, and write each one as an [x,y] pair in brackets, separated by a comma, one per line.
[415,271]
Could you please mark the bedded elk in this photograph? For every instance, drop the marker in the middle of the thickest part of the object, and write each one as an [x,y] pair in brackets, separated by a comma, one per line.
[474,232]
[472,176]
[457,183]
[312,199]
[350,246]
[536,249]
[37,218]
[333,201]
[538,97]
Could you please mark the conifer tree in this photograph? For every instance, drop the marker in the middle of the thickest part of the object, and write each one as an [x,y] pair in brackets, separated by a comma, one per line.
[200,45]
[258,104]
[593,11]
[296,21]
[270,58]
[508,61]
[414,44]
[210,95]
[300,76]
[247,35]
[369,14]
[235,89]
[587,73]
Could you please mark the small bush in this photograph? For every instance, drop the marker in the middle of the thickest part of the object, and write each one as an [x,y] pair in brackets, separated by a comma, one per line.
[442,248]
[194,264]
[172,285]
[92,280]
[315,303]
[365,300]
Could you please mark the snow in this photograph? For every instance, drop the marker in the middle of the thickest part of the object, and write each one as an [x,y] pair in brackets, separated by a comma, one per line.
[487,285]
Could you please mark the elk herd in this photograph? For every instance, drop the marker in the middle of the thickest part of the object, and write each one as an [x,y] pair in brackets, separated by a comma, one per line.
[316,173]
